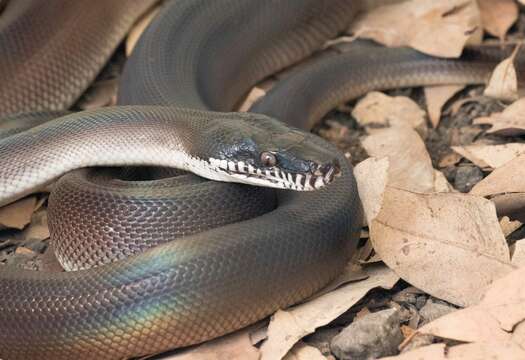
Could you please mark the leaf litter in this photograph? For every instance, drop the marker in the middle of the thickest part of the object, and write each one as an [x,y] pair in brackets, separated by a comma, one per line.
[421,225]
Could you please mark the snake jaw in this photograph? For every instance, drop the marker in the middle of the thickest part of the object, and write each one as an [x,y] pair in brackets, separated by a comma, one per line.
[274,177]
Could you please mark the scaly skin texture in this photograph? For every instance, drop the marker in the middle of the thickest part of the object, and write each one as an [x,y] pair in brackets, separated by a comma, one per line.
[204,55]
[50,51]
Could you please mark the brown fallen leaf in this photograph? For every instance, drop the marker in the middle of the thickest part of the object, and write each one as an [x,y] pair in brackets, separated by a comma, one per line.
[426,237]
[518,256]
[509,122]
[504,180]
[236,346]
[21,250]
[377,108]
[436,96]
[38,228]
[287,327]
[518,335]
[498,16]
[486,350]
[490,157]
[432,352]
[410,164]
[492,320]
[254,95]
[503,83]
[458,22]
[450,159]
[441,183]
[508,226]
[139,27]
[371,177]
[302,351]
[18,214]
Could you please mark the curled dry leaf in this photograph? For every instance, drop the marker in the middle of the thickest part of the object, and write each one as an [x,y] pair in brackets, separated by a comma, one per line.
[509,122]
[18,214]
[426,237]
[456,21]
[410,164]
[490,157]
[255,94]
[498,16]
[503,83]
[436,96]
[377,108]
[287,327]
[492,320]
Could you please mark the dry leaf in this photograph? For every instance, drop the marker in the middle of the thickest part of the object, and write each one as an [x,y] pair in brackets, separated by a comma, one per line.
[518,335]
[441,183]
[503,83]
[505,179]
[433,352]
[378,108]
[510,122]
[287,327]
[139,27]
[490,157]
[371,177]
[18,214]
[508,226]
[493,319]
[236,346]
[302,351]
[436,96]
[497,16]
[410,165]
[518,257]
[38,228]
[450,159]
[252,97]
[486,350]
[456,21]
[427,237]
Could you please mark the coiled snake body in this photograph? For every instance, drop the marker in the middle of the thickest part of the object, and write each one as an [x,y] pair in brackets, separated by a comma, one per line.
[194,63]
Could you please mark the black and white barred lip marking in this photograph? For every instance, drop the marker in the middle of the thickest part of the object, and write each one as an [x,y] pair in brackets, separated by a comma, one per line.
[276,177]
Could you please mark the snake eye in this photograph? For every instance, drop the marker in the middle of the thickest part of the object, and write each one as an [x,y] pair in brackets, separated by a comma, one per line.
[268,159]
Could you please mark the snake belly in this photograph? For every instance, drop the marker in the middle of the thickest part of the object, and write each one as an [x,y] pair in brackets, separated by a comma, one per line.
[200,55]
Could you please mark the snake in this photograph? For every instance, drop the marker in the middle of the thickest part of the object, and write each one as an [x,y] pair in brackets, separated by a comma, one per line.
[242,251]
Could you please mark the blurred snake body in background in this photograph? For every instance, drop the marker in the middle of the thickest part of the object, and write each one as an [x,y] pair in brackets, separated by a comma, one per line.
[221,256]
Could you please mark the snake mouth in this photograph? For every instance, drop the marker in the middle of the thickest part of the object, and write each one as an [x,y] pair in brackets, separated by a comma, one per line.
[276,177]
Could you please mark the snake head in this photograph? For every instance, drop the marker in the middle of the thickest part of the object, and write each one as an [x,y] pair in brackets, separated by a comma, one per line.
[258,150]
